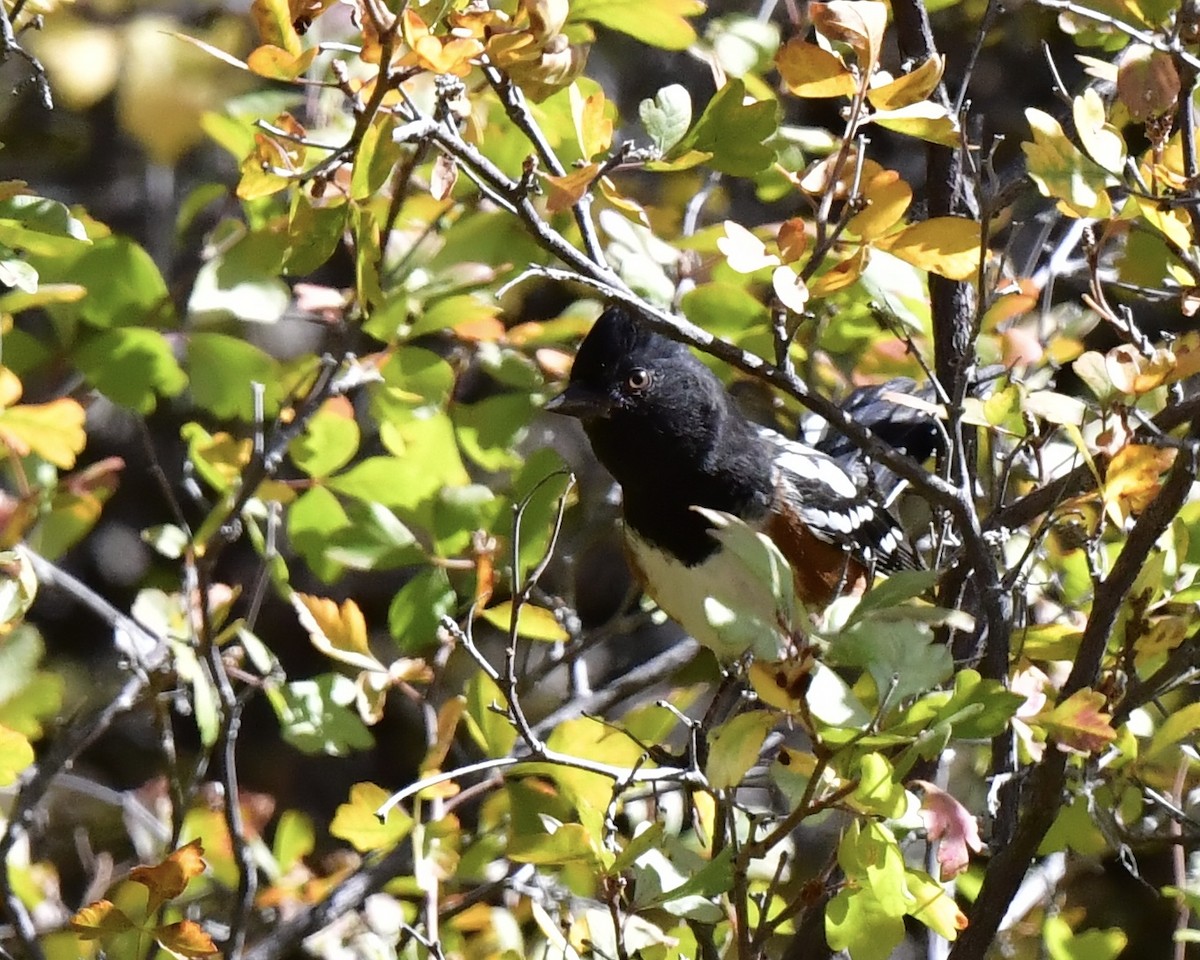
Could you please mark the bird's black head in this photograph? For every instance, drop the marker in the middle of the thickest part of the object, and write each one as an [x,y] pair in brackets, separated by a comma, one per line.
[662,424]
[646,403]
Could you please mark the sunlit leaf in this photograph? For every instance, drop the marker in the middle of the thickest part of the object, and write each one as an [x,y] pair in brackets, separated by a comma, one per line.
[169,878]
[949,246]
[909,88]
[812,71]
[733,747]
[534,622]
[357,822]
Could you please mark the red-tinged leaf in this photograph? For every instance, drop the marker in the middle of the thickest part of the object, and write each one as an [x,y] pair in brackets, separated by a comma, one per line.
[569,189]
[857,23]
[1147,82]
[947,246]
[100,919]
[812,71]
[949,822]
[186,939]
[443,177]
[1079,723]
[792,239]
[168,879]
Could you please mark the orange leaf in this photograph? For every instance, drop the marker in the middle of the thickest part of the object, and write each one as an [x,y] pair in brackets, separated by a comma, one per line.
[909,88]
[1147,82]
[186,938]
[568,190]
[168,879]
[792,239]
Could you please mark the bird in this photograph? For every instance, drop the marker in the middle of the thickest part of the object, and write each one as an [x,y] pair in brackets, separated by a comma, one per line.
[663,424]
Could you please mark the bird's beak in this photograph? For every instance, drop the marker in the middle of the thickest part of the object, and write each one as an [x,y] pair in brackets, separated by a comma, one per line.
[580,402]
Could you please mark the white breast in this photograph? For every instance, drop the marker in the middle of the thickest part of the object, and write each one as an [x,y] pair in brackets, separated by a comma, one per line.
[700,598]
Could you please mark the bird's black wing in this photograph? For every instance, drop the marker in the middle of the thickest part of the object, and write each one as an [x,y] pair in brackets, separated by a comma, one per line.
[836,506]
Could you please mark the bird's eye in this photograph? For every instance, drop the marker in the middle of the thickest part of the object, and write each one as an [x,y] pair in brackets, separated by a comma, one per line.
[638,379]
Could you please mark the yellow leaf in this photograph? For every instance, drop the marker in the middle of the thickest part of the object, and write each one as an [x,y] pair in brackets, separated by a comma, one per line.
[16,754]
[101,918]
[275,63]
[947,246]
[734,746]
[910,88]
[1061,170]
[933,906]
[812,71]
[593,129]
[840,276]
[536,623]
[10,388]
[357,823]
[630,209]
[1132,479]
[887,197]
[339,633]
[925,120]
[54,431]
[273,19]
[1100,139]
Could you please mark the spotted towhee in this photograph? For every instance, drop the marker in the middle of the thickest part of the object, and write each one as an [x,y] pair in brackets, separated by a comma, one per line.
[663,425]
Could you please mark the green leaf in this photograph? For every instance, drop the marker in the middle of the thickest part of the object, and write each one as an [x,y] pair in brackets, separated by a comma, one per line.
[668,116]
[317,716]
[855,922]
[832,702]
[684,892]
[735,133]
[418,607]
[124,286]
[490,429]
[357,823]
[40,226]
[402,482]
[314,233]
[877,791]
[1062,943]
[222,369]
[312,520]
[132,366]
[295,838]
[329,441]
[901,655]
[734,747]
[373,538]
[659,23]
[243,282]
[489,728]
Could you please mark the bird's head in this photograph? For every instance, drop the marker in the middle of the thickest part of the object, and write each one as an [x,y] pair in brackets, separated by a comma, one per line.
[621,368]
[643,399]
